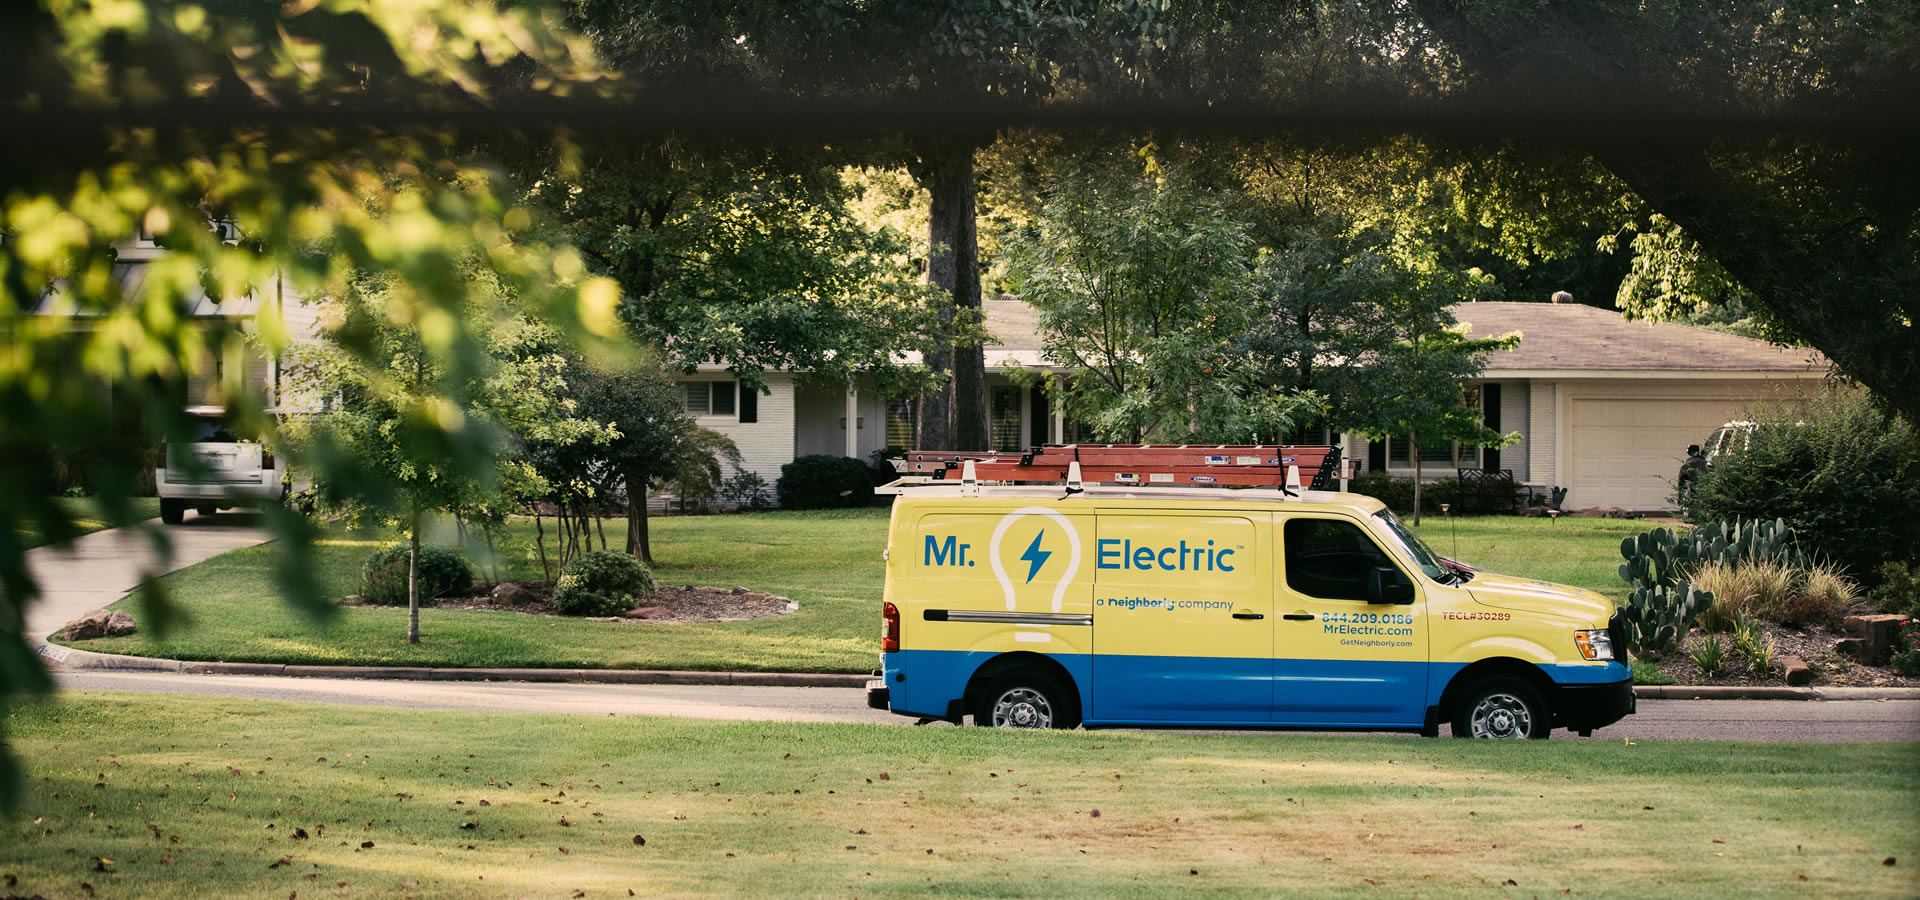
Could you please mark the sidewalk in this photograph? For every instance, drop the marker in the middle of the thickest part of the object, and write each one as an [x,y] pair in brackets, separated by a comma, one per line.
[100,568]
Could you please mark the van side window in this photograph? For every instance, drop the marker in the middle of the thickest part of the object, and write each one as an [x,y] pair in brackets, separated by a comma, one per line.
[1330,558]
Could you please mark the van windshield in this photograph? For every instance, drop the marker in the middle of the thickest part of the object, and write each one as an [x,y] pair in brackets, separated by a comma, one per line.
[1428,560]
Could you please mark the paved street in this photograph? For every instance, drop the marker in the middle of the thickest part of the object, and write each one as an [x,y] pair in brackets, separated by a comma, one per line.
[100,568]
[1739,720]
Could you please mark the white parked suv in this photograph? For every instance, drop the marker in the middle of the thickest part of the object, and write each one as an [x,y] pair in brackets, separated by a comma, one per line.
[219,470]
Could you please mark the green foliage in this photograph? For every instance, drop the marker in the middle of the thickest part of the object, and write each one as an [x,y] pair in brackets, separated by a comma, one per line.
[1842,475]
[601,583]
[746,490]
[1751,643]
[383,579]
[1397,493]
[825,482]
[1711,655]
[1141,277]
[698,465]
[1899,589]
[1645,672]
[1906,648]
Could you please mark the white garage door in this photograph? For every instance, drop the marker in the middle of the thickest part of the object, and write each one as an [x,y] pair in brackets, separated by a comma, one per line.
[1627,452]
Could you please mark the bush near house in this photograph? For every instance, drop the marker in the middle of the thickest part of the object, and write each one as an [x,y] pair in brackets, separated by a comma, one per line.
[383,580]
[1844,478]
[1397,493]
[825,482]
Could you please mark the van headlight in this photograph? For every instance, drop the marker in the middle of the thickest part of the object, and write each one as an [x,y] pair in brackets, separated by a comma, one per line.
[1594,644]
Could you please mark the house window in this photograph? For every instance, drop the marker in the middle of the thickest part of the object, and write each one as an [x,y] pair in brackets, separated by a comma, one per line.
[903,426]
[1004,421]
[1444,454]
[710,398]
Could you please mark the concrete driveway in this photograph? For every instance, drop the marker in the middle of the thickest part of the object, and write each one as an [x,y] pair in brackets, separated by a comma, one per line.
[100,568]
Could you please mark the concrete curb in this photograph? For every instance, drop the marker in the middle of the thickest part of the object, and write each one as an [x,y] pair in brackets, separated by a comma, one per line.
[70,659]
[86,660]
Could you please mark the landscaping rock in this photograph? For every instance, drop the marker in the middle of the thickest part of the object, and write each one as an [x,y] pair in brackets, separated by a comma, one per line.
[119,624]
[1876,634]
[514,594]
[648,612]
[756,596]
[1849,648]
[1797,671]
[737,591]
[88,627]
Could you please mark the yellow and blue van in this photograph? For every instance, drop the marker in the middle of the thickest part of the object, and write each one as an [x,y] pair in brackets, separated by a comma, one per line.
[1027,606]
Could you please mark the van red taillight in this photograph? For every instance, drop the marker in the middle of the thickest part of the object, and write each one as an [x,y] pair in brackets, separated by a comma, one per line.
[266,459]
[160,458]
[890,633]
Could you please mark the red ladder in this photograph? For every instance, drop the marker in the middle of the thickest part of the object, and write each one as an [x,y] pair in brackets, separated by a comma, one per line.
[1206,465]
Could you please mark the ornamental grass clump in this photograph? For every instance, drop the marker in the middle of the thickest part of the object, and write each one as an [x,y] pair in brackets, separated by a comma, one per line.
[601,583]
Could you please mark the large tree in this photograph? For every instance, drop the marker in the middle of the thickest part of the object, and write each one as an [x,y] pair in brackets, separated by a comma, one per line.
[1817,216]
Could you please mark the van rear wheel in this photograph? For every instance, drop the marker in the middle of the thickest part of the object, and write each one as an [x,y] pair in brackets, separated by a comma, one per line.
[1502,707]
[1026,699]
[173,512]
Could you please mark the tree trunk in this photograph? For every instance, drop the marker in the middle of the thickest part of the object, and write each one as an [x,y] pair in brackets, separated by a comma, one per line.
[955,419]
[540,541]
[638,544]
[413,580]
[1413,449]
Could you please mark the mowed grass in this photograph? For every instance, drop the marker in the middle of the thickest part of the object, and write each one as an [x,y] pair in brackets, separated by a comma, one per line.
[218,797]
[830,562]
[86,518]
[1579,552]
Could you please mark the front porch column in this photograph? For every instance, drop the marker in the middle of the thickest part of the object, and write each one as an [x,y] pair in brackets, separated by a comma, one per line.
[853,421]
[1059,422]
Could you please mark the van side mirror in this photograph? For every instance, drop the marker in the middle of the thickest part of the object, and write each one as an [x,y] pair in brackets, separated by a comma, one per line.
[1386,585]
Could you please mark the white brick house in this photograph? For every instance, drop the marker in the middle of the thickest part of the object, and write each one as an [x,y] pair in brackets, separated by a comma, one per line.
[1605,407]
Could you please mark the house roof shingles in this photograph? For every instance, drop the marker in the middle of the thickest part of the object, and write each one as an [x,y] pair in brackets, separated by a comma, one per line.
[1573,337]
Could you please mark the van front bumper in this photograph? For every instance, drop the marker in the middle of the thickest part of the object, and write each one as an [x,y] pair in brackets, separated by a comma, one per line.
[1585,707]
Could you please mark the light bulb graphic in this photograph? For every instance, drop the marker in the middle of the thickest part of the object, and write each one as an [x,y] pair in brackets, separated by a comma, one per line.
[1035,555]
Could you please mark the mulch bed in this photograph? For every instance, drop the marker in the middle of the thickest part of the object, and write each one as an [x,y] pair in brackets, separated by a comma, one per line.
[1813,644]
[683,603]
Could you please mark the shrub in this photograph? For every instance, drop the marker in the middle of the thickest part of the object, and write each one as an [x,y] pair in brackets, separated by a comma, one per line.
[1906,648]
[746,490]
[1733,591]
[1845,478]
[383,579]
[825,482]
[1397,493]
[1899,589]
[881,461]
[601,583]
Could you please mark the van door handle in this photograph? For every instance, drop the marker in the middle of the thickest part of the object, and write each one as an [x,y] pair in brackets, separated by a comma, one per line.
[1298,617]
[1249,616]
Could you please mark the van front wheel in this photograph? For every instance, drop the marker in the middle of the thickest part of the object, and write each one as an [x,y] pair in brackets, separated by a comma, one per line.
[1502,707]
[1026,700]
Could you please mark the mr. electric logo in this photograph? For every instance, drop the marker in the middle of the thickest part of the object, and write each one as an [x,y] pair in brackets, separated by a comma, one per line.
[1035,556]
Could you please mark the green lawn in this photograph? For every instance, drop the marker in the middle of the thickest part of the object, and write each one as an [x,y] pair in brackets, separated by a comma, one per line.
[217,797]
[827,561]
[86,517]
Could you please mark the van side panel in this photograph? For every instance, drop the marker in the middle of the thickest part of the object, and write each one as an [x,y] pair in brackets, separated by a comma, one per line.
[973,582]
[1168,588]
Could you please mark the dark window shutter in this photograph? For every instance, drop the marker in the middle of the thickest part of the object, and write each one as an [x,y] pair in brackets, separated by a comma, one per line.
[749,405]
[1376,455]
[1490,414]
[1042,416]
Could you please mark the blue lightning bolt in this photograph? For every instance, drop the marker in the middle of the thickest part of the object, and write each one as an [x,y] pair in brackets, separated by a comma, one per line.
[1035,556]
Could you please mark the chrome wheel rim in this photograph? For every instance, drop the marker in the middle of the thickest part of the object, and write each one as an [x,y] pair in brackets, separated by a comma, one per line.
[1501,717]
[1022,708]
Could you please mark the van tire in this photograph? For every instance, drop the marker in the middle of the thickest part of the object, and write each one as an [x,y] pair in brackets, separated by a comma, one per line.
[1026,698]
[173,512]
[1502,706]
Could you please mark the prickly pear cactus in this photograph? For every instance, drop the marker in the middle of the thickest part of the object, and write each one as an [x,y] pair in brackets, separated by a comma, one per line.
[1654,619]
